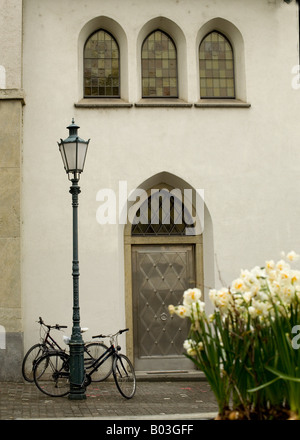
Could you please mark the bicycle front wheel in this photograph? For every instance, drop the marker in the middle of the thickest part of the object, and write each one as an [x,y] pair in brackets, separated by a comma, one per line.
[51,374]
[92,352]
[30,359]
[124,376]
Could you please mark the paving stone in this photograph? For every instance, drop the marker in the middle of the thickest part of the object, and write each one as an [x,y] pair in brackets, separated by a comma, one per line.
[25,401]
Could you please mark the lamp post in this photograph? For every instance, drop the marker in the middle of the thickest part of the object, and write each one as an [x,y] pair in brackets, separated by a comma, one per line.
[73,152]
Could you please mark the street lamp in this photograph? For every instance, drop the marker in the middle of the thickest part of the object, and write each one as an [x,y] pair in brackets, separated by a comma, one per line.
[73,152]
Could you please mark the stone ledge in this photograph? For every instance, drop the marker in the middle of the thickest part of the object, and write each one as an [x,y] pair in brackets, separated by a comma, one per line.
[102,103]
[12,95]
[171,376]
[221,103]
[161,102]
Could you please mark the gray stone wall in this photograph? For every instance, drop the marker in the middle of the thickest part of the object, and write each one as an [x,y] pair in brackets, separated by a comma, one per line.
[11,344]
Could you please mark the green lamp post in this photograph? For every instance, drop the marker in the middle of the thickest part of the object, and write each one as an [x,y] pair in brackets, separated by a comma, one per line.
[73,152]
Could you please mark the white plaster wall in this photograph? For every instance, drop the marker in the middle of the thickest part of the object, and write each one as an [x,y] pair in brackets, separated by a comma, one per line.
[246,160]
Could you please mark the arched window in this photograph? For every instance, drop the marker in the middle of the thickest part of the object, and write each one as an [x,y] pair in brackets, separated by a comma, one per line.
[216,67]
[159,66]
[101,66]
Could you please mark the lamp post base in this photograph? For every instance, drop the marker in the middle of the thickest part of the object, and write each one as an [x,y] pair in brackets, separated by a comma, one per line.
[77,373]
[77,396]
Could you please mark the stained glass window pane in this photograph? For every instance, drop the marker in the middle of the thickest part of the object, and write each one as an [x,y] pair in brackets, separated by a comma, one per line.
[216,66]
[101,66]
[159,66]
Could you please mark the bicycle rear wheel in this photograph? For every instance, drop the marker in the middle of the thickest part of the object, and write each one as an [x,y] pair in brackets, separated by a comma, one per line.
[51,374]
[92,352]
[124,376]
[30,359]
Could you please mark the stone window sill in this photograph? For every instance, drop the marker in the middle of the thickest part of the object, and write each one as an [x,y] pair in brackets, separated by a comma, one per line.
[102,103]
[221,103]
[161,102]
[156,103]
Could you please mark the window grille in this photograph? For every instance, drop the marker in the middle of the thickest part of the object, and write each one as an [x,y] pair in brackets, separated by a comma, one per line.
[162,214]
[101,66]
[216,63]
[159,66]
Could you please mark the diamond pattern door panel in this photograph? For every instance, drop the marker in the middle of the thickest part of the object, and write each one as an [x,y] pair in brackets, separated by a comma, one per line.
[160,276]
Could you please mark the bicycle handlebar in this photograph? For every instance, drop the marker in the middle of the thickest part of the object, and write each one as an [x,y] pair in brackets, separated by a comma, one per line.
[56,326]
[109,336]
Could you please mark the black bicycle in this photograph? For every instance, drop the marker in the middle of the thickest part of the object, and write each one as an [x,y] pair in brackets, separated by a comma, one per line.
[92,351]
[52,371]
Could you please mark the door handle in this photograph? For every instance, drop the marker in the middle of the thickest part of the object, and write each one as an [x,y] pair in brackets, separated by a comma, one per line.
[163,316]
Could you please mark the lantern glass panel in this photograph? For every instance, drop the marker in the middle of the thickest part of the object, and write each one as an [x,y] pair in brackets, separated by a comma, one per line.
[70,152]
[81,153]
[62,152]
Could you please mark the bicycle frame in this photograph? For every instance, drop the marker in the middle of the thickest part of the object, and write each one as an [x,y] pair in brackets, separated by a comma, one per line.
[112,350]
[53,344]
[47,339]
[50,343]
[98,362]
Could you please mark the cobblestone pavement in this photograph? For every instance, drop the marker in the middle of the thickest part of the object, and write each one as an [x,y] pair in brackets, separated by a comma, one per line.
[153,399]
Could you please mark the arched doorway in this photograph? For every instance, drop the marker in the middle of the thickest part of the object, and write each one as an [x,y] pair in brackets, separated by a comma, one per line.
[165,260]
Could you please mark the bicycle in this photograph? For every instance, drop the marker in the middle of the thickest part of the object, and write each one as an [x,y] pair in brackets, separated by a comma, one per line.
[48,344]
[52,371]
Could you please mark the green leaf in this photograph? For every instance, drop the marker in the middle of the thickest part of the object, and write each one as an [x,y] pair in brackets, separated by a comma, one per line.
[260,387]
[282,375]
